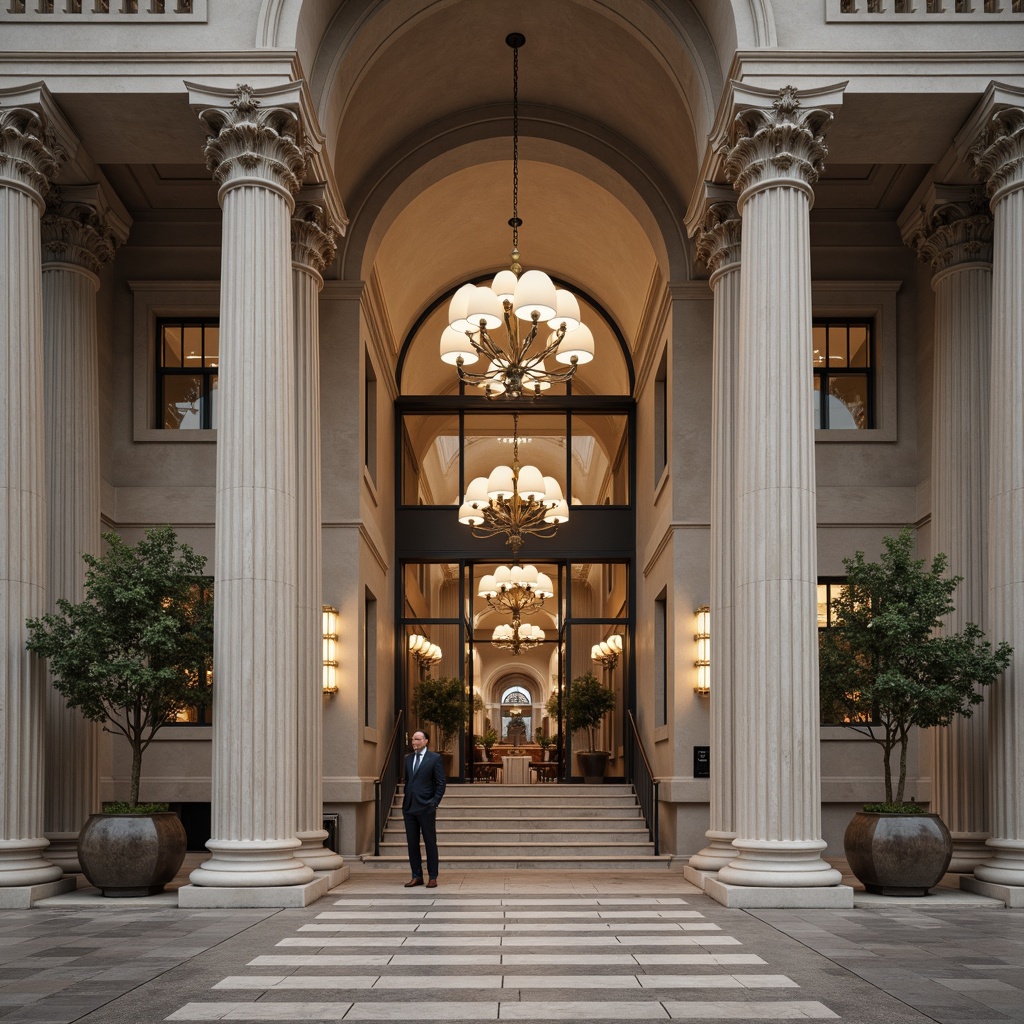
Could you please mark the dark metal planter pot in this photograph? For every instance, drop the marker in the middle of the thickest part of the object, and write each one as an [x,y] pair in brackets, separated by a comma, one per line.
[898,854]
[593,764]
[131,854]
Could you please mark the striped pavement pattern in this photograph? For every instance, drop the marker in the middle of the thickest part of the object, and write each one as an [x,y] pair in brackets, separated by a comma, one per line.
[443,958]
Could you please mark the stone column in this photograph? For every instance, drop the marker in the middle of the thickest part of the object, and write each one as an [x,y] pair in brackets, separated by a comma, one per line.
[256,157]
[718,247]
[313,248]
[78,240]
[952,233]
[774,153]
[28,160]
[998,157]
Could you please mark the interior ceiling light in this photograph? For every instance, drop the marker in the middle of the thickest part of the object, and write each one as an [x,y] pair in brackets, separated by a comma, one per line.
[517,637]
[517,590]
[516,500]
[527,305]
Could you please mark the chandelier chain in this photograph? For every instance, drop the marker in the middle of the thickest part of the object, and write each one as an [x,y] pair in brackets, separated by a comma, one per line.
[515,40]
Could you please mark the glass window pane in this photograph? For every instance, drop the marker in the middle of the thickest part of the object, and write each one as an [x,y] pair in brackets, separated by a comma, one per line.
[848,402]
[860,350]
[182,403]
[822,605]
[211,345]
[430,460]
[600,459]
[818,335]
[170,349]
[193,346]
[837,356]
[213,402]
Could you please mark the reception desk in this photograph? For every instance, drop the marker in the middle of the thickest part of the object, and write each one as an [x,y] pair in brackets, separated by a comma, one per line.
[515,770]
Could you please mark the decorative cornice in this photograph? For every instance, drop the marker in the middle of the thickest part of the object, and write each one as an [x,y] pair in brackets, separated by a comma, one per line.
[251,143]
[314,235]
[78,229]
[30,155]
[718,235]
[773,139]
[952,226]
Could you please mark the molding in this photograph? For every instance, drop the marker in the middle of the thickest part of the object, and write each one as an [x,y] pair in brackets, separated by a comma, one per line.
[88,15]
[651,331]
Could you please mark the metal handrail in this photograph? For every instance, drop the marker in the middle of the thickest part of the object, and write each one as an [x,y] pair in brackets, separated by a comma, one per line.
[645,784]
[386,785]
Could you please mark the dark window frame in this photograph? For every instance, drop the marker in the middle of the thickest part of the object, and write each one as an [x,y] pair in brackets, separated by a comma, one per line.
[207,374]
[203,715]
[829,582]
[825,373]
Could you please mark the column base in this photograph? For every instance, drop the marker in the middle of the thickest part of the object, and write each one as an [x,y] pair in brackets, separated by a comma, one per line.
[24,897]
[1005,865]
[22,863]
[315,855]
[832,897]
[779,864]
[255,863]
[255,896]
[716,854]
[63,851]
[969,850]
[1011,895]
[698,878]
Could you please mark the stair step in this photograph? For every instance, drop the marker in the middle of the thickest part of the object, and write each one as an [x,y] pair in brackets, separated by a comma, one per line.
[523,850]
[547,863]
[538,791]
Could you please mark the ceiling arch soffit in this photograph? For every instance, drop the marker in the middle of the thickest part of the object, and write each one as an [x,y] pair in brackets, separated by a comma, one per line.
[458,142]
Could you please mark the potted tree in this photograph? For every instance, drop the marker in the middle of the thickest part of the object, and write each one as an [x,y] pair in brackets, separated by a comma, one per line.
[585,706]
[545,743]
[444,704]
[884,669]
[132,655]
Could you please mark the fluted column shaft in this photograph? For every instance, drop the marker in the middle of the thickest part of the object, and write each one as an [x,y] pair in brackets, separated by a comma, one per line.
[313,247]
[27,162]
[999,162]
[257,161]
[718,245]
[76,243]
[952,232]
[774,160]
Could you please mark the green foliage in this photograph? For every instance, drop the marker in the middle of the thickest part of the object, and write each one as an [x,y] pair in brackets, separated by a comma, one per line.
[445,704]
[137,649]
[489,738]
[544,741]
[123,807]
[587,703]
[895,808]
[884,657]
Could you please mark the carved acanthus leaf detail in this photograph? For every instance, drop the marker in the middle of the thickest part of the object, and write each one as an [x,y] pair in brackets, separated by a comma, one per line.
[951,231]
[30,155]
[314,238]
[75,232]
[998,154]
[719,236]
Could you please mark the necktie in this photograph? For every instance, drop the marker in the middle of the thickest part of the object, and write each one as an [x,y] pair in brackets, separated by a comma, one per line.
[416,762]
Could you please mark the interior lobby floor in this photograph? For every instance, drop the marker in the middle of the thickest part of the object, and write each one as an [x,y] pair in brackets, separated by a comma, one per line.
[528,946]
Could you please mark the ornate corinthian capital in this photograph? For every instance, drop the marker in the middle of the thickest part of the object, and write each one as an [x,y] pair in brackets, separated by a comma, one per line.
[718,234]
[998,153]
[314,231]
[251,142]
[30,154]
[772,137]
[952,226]
[79,229]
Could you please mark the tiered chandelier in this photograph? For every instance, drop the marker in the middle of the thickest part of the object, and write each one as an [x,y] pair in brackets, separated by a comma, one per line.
[516,500]
[528,305]
[425,652]
[517,590]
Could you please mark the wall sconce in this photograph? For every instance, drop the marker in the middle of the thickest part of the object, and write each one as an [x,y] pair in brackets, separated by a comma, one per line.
[330,628]
[607,651]
[423,650]
[703,662]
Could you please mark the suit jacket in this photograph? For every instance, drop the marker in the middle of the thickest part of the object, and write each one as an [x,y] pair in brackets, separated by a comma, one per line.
[423,791]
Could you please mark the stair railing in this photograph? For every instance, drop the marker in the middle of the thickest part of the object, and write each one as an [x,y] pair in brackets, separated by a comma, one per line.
[386,785]
[644,783]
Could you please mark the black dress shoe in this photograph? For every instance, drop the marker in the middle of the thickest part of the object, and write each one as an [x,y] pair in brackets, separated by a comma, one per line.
[414,881]
[432,884]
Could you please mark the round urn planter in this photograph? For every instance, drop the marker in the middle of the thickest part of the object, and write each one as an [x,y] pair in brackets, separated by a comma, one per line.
[593,764]
[131,854]
[898,854]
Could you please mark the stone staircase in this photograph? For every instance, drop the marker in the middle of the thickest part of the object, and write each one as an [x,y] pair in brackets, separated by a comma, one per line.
[487,826]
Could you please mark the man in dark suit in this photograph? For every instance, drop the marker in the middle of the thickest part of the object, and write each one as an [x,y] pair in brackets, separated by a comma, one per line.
[424,787]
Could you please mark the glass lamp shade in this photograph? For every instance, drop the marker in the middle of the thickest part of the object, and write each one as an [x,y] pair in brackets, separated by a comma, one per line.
[434,653]
[470,515]
[524,575]
[595,652]
[531,483]
[543,587]
[500,482]
[502,632]
[488,587]
[503,576]
[567,311]
[458,308]
[454,344]
[494,383]
[580,343]
[484,305]
[534,377]
[559,513]
[552,490]
[528,631]
[615,643]
[504,285]
[477,491]
[416,642]
[535,293]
